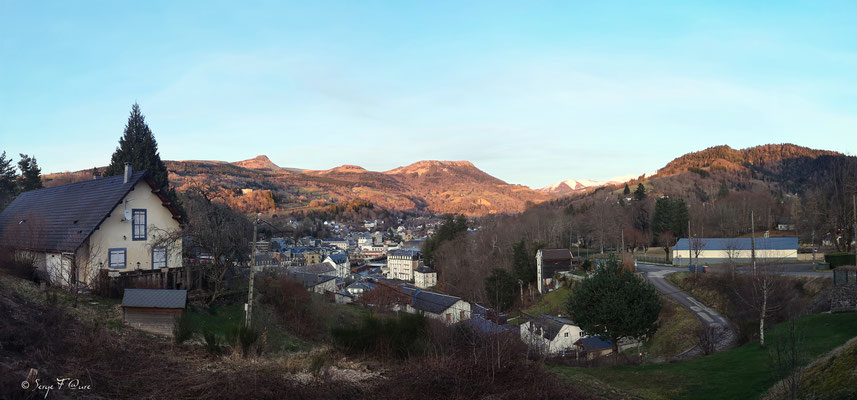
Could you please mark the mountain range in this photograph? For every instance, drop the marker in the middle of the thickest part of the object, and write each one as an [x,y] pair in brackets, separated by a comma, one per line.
[260,185]
[576,186]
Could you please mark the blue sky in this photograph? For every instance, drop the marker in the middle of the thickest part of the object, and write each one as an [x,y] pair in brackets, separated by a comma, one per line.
[531,92]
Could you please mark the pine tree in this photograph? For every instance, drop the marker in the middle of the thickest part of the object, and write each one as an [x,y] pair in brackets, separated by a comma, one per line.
[640,193]
[724,190]
[615,305]
[139,148]
[627,190]
[31,174]
[8,186]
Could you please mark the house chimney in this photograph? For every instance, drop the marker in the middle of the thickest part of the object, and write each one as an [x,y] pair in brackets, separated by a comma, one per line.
[128,172]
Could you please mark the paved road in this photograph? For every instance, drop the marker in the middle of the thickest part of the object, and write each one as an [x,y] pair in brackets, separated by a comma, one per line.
[725,335]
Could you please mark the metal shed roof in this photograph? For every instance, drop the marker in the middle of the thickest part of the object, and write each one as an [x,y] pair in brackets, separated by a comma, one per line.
[777,243]
[154,298]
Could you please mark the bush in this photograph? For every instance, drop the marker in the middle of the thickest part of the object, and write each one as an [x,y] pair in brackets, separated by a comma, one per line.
[183,328]
[212,344]
[840,259]
[18,265]
[242,337]
[404,335]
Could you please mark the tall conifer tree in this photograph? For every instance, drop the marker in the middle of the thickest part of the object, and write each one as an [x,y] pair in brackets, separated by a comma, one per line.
[31,174]
[8,187]
[139,148]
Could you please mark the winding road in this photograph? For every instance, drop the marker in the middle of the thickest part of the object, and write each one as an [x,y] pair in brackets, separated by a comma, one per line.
[724,332]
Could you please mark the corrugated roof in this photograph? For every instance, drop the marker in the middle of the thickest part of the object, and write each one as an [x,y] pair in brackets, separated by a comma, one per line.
[154,298]
[61,218]
[777,243]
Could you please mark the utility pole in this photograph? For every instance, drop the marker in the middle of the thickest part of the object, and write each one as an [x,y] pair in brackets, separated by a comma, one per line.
[753,239]
[854,214]
[623,240]
[249,313]
[689,247]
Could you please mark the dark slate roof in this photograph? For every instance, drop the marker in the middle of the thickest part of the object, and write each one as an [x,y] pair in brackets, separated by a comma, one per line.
[556,254]
[154,298]
[487,327]
[339,258]
[424,269]
[310,280]
[321,268]
[412,253]
[777,243]
[594,343]
[432,302]
[61,218]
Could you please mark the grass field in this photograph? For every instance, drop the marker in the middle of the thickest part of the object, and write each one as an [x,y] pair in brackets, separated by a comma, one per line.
[552,303]
[225,317]
[742,373]
[674,334]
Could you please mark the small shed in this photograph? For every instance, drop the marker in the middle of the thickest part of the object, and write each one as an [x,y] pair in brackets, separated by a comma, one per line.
[153,310]
[594,347]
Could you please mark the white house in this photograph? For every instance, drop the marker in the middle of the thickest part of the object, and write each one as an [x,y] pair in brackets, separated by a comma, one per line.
[120,224]
[738,250]
[449,309]
[548,334]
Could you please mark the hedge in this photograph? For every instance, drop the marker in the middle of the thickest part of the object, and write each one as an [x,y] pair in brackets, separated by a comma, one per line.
[840,259]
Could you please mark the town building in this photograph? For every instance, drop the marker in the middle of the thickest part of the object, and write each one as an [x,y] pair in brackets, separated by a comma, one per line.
[425,277]
[341,262]
[73,232]
[401,264]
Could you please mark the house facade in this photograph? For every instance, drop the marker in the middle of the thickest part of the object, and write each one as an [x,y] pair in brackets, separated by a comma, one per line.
[120,224]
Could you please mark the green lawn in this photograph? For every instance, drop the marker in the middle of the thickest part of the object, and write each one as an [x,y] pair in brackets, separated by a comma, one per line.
[224,317]
[742,373]
[551,303]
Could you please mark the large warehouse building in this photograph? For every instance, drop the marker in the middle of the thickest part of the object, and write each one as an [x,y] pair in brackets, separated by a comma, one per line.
[739,250]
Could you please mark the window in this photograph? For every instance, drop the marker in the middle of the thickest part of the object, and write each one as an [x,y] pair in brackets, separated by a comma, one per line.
[461,315]
[159,257]
[116,258]
[448,317]
[138,224]
[566,334]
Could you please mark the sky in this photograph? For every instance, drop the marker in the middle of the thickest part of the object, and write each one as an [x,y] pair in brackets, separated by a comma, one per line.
[530,92]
